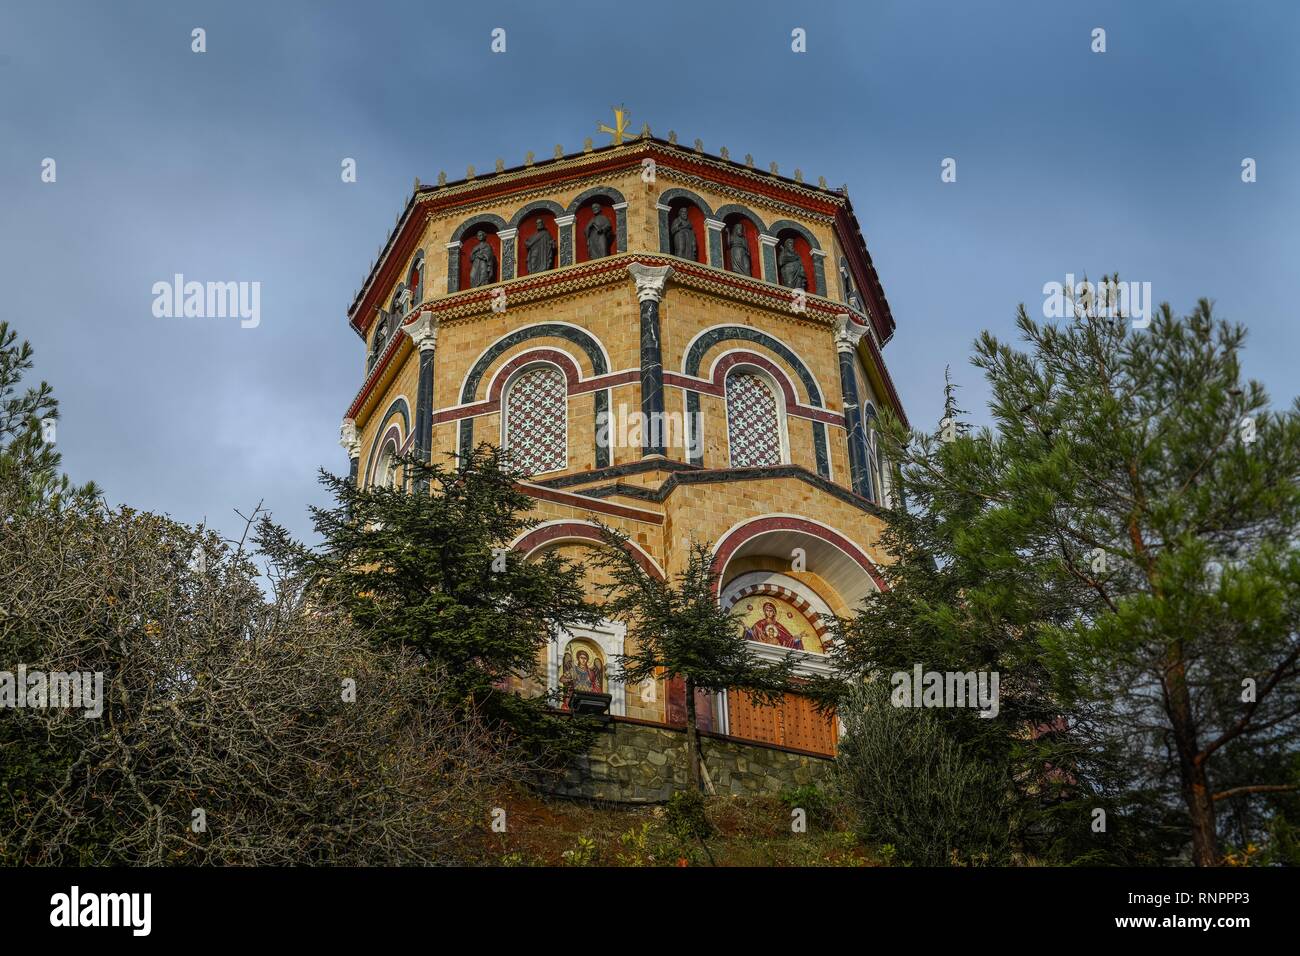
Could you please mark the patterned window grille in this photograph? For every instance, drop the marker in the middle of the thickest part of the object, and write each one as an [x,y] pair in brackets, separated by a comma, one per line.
[753,424]
[536,420]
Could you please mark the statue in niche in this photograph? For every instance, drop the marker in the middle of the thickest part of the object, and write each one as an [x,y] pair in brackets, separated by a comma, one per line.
[541,249]
[482,262]
[600,233]
[738,247]
[379,341]
[790,266]
[683,235]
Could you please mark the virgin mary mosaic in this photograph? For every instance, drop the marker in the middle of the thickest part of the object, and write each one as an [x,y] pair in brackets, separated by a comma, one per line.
[771,620]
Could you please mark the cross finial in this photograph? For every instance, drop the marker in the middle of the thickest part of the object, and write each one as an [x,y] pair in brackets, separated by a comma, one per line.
[619,130]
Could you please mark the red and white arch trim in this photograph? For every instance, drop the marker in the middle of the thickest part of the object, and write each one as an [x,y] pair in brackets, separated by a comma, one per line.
[570,531]
[750,528]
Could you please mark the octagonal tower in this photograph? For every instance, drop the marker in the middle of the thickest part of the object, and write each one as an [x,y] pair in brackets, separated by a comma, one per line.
[670,342]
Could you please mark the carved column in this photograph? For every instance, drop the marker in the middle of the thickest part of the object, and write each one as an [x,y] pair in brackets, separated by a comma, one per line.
[564,226]
[665,242]
[620,213]
[819,271]
[846,344]
[650,284]
[351,444]
[507,237]
[713,229]
[768,249]
[424,336]
[453,267]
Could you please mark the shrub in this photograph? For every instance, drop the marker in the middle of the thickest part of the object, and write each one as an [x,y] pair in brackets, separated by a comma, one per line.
[912,786]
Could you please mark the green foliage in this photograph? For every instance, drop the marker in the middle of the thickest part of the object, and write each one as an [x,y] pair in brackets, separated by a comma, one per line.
[812,800]
[686,817]
[584,853]
[29,465]
[678,628]
[432,570]
[915,787]
[215,699]
[1122,549]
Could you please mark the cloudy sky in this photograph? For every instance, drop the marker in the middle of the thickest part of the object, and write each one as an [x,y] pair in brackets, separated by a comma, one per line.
[225,166]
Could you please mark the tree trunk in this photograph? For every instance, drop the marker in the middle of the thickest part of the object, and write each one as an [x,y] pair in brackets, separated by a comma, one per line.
[692,739]
[1191,765]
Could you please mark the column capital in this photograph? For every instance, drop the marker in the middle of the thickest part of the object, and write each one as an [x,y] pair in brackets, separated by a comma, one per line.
[506,234]
[348,438]
[423,331]
[565,220]
[715,224]
[847,332]
[650,280]
[767,240]
[455,244]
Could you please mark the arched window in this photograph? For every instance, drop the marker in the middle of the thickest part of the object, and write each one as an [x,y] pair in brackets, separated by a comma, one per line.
[753,420]
[875,472]
[415,280]
[535,422]
[385,473]
[380,339]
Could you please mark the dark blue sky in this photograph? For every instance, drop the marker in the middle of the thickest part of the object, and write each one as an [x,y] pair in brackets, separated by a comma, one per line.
[225,166]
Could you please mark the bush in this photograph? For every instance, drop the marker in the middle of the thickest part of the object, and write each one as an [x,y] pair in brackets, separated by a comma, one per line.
[913,787]
[687,817]
[229,733]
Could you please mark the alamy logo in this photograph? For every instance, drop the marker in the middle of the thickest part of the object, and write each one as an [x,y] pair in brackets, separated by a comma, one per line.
[1109,298]
[977,690]
[103,909]
[624,428]
[208,300]
[41,690]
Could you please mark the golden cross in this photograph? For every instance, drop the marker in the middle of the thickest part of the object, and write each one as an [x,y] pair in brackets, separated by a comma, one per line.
[619,130]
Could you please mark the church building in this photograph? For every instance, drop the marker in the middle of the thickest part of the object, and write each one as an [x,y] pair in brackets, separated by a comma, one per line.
[678,344]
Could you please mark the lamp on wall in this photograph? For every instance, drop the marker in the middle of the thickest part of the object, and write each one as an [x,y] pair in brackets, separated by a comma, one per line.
[590,703]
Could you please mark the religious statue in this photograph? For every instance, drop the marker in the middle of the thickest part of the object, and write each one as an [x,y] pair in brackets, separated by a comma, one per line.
[379,341]
[541,249]
[790,266]
[482,262]
[683,234]
[599,233]
[738,247]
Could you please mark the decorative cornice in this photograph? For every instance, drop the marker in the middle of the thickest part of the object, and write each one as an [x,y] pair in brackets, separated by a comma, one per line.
[724,175]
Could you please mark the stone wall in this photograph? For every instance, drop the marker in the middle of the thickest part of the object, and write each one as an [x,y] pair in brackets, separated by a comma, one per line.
[638,763]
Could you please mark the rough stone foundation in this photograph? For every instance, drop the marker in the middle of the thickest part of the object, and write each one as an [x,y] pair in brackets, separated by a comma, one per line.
[639,763]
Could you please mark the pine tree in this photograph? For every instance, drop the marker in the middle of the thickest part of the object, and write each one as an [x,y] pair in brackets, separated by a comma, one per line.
[427,564]
[1125,547]
[677,629]
[28,458]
